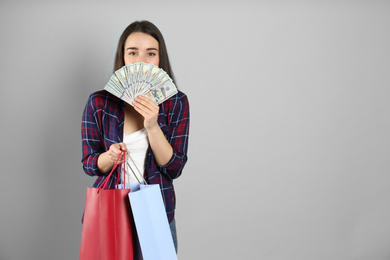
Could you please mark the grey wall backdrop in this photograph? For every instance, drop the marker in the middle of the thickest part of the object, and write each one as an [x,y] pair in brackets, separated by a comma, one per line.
[289,152]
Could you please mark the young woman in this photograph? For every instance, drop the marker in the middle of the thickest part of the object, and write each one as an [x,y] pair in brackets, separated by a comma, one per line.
[155,135]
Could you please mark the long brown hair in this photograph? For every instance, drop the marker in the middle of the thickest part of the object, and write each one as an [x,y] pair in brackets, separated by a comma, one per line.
[148,28]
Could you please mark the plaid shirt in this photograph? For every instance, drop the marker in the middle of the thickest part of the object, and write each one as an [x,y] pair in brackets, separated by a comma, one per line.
[102,126]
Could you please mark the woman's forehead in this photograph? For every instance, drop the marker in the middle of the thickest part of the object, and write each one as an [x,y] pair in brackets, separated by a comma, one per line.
[141,40]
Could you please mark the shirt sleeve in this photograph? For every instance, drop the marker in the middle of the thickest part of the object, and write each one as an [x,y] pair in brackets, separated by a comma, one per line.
[91,137]
[179,118]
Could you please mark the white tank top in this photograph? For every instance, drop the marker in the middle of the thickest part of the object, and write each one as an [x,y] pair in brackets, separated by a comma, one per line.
[137,144]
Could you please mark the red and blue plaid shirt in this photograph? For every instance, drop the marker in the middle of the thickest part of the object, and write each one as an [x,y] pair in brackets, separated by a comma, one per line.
[102,126]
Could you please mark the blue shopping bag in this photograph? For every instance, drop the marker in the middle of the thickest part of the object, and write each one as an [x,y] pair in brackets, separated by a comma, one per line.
[151,222]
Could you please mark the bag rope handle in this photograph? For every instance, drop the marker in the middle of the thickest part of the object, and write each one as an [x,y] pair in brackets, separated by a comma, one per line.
[131,168]
[104,183]
[124,172]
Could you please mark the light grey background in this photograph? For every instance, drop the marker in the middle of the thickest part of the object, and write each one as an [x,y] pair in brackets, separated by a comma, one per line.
[289,148]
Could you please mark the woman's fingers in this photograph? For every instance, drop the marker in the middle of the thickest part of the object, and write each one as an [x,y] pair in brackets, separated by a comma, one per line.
[122,146]
[115,151]
[148,109]
[145,105]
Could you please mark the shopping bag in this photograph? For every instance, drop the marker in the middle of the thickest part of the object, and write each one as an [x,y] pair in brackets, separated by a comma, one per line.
[106,233]
[151,222]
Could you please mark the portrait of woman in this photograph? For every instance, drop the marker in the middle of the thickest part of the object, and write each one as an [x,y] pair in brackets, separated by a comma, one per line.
[156,136]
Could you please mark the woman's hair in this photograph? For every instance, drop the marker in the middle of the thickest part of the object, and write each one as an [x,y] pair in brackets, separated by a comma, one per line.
[148,28]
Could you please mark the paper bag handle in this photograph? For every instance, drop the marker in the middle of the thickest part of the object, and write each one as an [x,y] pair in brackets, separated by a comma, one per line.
[131,169]
[104,183]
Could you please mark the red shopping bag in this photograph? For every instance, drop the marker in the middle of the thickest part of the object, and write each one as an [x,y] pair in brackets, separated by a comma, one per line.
[106,233]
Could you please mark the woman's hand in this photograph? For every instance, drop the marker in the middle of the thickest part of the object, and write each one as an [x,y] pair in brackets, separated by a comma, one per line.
[161,148]
[115,151]
[149,110]
[107,159]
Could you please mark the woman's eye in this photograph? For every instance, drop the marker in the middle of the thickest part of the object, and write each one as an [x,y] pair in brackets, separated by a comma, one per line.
[152,54]
[132,53]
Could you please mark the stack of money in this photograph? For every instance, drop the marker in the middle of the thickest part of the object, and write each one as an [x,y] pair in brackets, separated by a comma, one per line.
[143,79]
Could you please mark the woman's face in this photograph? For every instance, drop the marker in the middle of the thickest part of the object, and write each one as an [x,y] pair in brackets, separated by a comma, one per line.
[141,47]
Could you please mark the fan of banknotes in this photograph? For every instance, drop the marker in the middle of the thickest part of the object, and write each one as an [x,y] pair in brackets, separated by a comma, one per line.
[143,79]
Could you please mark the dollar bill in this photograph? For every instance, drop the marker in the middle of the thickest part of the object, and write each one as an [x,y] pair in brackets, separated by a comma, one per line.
[144,79]
[162,91]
